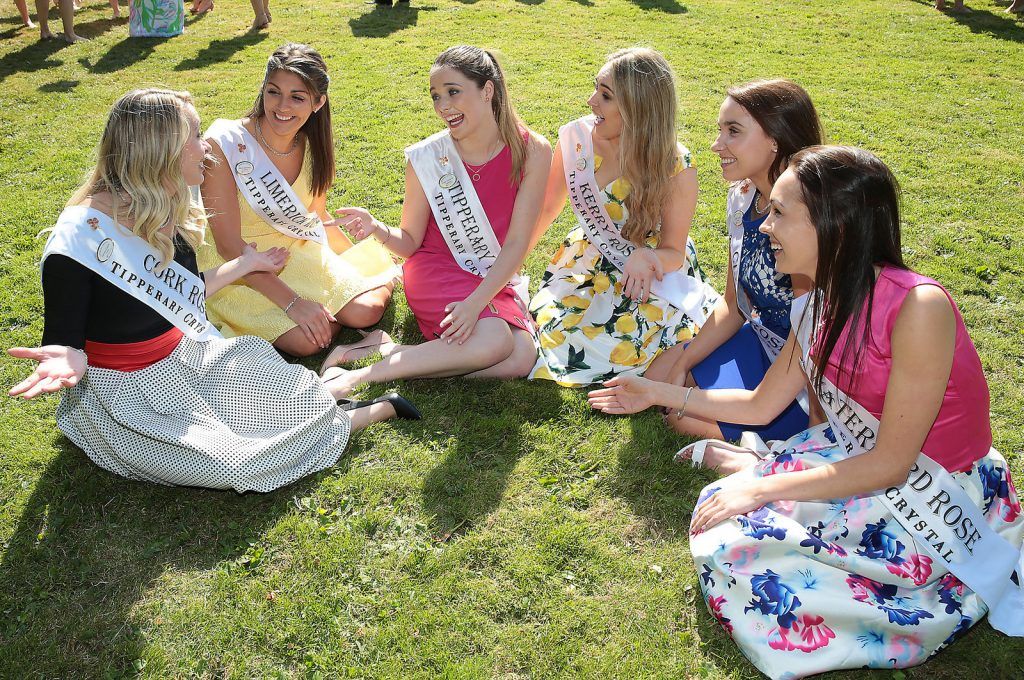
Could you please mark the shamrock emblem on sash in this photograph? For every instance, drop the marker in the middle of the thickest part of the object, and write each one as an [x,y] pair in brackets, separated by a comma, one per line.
[444,160]
[241,148]
[579,147]
[93,222]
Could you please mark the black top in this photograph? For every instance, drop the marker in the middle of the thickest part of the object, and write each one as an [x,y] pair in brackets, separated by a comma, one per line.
[81,305]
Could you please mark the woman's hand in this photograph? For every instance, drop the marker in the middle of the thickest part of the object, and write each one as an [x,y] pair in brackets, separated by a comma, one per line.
[642,267]
[271,260]
[358,222]
[624,394]
[314,319]
[59,367]
[722,505]
[461,320]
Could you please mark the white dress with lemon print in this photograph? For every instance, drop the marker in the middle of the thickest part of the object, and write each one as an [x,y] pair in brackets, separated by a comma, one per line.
[589,331]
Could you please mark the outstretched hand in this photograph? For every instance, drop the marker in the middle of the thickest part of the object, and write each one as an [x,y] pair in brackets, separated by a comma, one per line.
[624,394]
[270,260]
[358,222]
[59,367]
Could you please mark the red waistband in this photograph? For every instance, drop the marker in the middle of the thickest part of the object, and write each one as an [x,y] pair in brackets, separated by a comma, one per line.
[132,356]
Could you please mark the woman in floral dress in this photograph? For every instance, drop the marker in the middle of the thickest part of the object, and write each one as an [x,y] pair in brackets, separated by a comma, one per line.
[625,284]
[879,537]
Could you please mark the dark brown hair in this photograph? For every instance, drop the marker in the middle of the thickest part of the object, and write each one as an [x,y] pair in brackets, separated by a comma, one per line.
[307,64]
[785,112]
[853,201]
[480,66]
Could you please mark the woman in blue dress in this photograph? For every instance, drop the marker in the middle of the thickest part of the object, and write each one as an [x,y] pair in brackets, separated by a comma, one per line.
[760,125]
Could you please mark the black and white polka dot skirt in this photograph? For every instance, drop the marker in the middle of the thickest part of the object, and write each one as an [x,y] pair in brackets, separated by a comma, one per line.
[222,414]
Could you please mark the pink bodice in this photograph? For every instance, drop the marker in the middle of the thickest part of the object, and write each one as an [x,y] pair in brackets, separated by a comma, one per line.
[962,433]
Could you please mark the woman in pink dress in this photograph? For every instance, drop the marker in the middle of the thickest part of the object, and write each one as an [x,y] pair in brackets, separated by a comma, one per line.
[881,536]
[474,321]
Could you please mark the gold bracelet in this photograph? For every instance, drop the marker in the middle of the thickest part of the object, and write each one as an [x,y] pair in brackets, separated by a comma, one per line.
[686,399]
[289,305]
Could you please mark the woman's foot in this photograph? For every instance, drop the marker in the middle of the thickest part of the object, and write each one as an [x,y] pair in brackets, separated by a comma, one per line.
[720,456]
[372,342]
[1016,8]
[404,408]
[260,22]
[202,7]
[73,38]
[339,382]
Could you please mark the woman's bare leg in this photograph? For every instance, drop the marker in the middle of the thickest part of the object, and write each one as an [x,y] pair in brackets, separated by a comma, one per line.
[518,364]
[662,365]
[365,309]
[368,415]
[490,343]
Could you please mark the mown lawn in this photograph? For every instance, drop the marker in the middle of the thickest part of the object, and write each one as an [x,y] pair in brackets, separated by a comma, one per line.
[512,533]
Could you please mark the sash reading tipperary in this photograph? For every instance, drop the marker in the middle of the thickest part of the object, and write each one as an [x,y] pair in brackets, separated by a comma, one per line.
[931,505]
[93,240]
[457,209]
[683,292]
[264,187]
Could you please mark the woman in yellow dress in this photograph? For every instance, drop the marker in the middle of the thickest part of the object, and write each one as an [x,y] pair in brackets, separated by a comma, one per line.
[267,185]
[625,284]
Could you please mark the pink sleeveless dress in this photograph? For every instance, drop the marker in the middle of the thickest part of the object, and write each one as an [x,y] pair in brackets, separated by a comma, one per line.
[962,433]
[432,277]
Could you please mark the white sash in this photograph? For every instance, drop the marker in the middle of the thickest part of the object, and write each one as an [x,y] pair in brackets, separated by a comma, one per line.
[681,291]
[457,209]
[264,187]
[91,238]
[931,505]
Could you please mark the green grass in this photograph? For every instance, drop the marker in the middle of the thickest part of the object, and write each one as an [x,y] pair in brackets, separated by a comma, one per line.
[512,533]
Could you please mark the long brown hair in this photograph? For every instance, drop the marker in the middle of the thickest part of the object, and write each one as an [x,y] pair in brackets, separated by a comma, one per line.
[853,201]
[480,66]
[645,91]
[307,64]
[785,112]
[139,155]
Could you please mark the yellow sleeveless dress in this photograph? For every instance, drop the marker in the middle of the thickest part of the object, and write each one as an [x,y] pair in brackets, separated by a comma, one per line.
[313,271]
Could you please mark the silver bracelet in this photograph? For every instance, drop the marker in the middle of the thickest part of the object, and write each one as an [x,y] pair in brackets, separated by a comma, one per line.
[387,230]
[289,305]
[686,400]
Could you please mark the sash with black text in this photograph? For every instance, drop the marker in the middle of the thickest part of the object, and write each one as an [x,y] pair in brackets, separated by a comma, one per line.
[683,292]
[129,263]
[931,505]
[457,209]
[264,187]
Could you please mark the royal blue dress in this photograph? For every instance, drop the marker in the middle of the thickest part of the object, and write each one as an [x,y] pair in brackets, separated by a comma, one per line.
[741,362]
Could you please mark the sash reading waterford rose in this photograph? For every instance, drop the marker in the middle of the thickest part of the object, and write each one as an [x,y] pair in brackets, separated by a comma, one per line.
[931,505]
[457,209]
[681,291]
[262,184]
[93,240]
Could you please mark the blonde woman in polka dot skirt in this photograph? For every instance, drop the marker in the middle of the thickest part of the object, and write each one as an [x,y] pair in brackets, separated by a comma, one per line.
[153,392]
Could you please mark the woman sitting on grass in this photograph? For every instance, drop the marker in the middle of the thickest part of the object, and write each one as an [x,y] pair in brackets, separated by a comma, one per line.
[154,393]
[625,285]
[481,179]
[878,537]
[268,185]
[760,125]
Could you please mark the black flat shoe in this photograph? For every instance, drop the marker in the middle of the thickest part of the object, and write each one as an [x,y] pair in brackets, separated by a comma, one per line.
[404,408]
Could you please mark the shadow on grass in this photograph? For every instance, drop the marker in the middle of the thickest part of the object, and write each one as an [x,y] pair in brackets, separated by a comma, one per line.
[87,548]
[59,86]
[997,24]
[123,54]
[221,50]
[483,423]
[655,486]
[666,6]
[36,56]
[382,20]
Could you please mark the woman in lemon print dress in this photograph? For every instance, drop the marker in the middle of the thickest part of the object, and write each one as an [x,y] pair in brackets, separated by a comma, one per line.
[269,186]
[625,284]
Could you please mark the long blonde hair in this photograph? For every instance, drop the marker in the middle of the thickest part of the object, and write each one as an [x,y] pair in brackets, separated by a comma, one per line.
[645,91]
[139,155]
[480,66]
